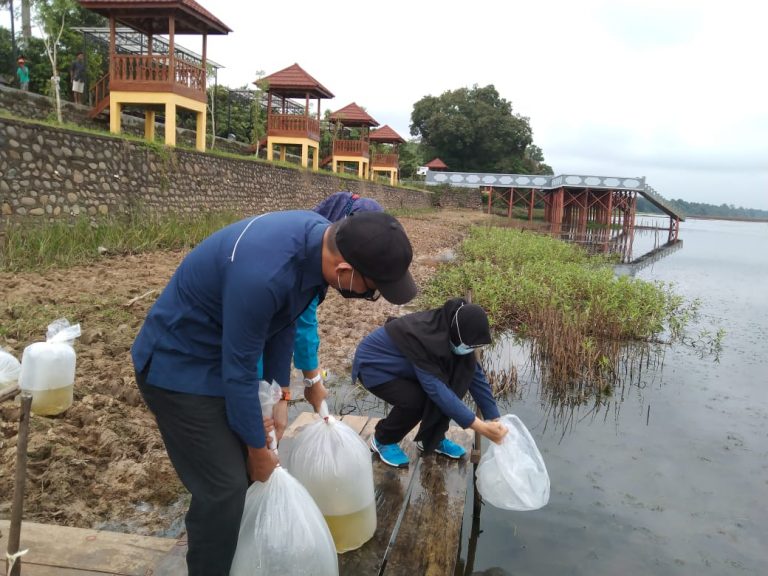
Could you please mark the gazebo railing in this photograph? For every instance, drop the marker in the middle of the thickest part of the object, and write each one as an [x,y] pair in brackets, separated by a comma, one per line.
[385,160]
[293,125]
[350,148]
[156,69]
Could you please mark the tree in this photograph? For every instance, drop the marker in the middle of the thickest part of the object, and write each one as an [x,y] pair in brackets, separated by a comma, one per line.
[52,29]
[472,130]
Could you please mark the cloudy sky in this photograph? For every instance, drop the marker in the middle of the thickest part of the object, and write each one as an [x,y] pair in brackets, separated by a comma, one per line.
[673,90]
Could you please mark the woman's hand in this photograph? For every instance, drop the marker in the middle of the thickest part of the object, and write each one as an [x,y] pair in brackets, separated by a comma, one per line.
[494,431]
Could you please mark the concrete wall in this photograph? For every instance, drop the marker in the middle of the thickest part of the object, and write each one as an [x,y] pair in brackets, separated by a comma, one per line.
[49,173]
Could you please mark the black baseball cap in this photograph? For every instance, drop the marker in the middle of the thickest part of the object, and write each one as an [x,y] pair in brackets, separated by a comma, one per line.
[376,245]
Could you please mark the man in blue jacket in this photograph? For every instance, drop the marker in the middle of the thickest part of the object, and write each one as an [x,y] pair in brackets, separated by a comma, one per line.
[234,298]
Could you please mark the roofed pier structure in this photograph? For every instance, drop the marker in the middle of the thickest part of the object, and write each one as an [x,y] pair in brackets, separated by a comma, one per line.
[353,150]
[385,158]
[568,199]
[287,126]
[164,81]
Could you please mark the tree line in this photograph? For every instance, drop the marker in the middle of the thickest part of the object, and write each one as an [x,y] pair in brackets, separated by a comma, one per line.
[704,210]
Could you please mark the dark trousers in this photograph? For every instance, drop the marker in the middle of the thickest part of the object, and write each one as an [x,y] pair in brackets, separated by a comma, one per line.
[407,398]
[211,463]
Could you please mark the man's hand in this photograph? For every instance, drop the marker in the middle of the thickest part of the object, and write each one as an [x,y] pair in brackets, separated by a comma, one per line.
[261,463]
[280,418]
[315,395]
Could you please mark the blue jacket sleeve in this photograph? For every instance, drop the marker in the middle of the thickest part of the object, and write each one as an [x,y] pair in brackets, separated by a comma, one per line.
[307,340]
[244,330]
[445,398]
[481,391]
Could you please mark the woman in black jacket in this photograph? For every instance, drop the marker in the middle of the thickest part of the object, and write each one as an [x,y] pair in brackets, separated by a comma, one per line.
[423,364]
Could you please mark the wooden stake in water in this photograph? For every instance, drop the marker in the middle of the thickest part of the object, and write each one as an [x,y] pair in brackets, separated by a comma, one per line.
[13,567]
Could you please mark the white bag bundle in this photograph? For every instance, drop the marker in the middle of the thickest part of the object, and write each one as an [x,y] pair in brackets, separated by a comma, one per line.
[48,369]
[333,463]
[512,475]
[9,369]
[283,532]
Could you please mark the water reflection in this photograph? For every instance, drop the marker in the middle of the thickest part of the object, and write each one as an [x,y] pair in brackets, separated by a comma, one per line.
[515,369]
[634,248]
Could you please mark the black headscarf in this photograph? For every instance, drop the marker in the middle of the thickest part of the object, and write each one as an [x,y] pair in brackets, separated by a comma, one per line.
[425,339]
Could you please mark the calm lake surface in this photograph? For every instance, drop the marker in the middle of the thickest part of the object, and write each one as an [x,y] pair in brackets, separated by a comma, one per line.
[671,476]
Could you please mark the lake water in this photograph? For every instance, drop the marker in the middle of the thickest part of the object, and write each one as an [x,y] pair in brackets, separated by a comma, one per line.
[670,477]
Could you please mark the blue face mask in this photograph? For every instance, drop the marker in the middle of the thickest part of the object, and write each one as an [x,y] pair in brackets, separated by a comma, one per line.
[462,349]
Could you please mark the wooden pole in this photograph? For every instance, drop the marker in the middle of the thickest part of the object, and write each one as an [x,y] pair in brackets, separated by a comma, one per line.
[13,568]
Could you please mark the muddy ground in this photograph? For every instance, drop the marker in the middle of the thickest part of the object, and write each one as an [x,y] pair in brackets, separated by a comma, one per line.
[102,462]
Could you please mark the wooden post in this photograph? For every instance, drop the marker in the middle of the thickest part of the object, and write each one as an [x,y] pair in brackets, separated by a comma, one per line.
[13,568]
[171,52]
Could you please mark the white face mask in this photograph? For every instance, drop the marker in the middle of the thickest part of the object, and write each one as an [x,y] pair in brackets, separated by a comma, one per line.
[462,349]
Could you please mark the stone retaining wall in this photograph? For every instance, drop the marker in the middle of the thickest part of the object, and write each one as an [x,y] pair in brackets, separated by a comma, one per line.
[49,173]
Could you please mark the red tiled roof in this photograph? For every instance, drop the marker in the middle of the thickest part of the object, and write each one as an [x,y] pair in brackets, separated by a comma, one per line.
[386,134]
[294,82]
[353,115]
[124,11]
[436,164]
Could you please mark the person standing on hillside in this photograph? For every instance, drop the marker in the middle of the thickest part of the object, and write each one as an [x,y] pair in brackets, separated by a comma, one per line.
[233,299]
[22,73]
[77,72]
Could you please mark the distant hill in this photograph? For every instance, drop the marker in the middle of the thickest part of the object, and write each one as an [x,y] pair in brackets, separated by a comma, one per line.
[703,210]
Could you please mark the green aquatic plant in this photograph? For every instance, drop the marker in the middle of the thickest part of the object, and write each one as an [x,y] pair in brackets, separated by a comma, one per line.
[584,323]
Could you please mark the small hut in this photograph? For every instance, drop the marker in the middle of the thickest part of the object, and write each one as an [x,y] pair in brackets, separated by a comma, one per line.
[156,80]
[386,159]
[347,148]
[290,125]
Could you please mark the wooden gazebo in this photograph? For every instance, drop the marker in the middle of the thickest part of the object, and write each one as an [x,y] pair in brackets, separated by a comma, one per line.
[436,165]
[387,159]
[156,80]
[284,126]
[352,150]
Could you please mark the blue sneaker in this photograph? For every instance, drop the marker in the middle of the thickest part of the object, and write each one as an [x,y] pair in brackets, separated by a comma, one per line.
[390,454]
[446,448]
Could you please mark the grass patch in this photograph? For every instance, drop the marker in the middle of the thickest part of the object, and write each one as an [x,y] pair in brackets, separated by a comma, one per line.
[62,244]
[579,316]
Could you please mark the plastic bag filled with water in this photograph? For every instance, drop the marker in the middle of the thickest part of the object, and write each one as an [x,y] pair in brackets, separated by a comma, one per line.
[283,532]
[512,475]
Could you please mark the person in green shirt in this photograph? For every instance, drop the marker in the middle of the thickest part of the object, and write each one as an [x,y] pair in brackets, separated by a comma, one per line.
[22,73]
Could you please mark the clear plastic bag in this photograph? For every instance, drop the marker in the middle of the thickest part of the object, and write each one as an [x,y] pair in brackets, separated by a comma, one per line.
[9,369]
[333,463]
[269,395]
[283,532]
[512,475]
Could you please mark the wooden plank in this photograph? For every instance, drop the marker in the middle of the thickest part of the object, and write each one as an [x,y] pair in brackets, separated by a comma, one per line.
[357,423]
[390,485]
[437,502]
[104,552]
[299,422]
